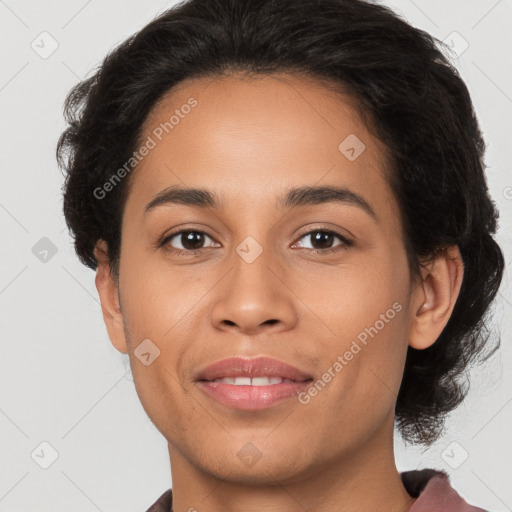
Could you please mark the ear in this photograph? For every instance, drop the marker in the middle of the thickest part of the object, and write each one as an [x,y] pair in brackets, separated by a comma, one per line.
[109,297]
[435,296]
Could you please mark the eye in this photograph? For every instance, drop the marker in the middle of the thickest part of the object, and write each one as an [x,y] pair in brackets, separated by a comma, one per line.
[324,238]
[190,242]
[187,241]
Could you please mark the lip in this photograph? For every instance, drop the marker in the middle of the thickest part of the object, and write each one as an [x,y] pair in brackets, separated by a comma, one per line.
[251,367]
[249,397]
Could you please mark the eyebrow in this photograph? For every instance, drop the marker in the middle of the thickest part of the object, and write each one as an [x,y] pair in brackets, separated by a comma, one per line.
[294,198]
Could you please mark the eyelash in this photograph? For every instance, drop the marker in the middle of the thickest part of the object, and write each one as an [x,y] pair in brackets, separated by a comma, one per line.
[347,242]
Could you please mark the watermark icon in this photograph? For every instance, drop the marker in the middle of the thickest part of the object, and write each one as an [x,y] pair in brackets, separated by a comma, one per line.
[456,42]
[507,193]
[454,455]
[249,249]
[44,250]
[44,455]
[351,147]
[249,455]
[150,143]
[44,45]
[146,352]
[304,397]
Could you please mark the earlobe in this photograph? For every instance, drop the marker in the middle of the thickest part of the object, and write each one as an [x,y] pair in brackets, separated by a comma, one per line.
[435,297]
[109,298]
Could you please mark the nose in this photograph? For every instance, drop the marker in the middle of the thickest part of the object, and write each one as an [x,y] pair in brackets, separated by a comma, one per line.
[255,297]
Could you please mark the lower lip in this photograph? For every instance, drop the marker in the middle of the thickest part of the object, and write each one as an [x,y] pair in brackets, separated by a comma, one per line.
[252,398]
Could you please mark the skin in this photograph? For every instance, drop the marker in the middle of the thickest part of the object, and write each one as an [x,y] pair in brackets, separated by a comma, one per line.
[250,141]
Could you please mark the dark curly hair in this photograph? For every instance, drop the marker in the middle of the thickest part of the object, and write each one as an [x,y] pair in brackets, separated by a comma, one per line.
[409,95]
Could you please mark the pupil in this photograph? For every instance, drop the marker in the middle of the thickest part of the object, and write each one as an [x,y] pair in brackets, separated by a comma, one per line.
[322,236]
[191,239]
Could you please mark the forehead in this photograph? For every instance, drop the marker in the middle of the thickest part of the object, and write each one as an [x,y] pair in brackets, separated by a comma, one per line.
[259,136]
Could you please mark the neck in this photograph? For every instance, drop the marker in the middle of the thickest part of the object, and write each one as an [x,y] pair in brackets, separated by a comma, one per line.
[365,480]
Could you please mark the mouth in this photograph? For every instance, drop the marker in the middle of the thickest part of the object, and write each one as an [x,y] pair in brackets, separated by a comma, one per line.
[254,381]
[252,384]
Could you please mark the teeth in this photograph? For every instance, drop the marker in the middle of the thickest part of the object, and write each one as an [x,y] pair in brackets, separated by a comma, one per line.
[255,381]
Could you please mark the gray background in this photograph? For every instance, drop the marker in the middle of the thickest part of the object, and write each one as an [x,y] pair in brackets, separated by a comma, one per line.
[63,383]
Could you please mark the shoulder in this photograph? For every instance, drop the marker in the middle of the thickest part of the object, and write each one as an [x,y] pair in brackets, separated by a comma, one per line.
[433,491]
[431,487]
[162,504]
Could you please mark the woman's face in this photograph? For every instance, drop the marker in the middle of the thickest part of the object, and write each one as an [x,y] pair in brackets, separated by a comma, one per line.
[254,275]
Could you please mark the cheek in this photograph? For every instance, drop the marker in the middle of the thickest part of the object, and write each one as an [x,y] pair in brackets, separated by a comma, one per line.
[352,296]
[159,393]
[365,309]
[155,300]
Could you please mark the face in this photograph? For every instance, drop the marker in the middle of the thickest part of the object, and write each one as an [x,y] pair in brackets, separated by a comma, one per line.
[319,282]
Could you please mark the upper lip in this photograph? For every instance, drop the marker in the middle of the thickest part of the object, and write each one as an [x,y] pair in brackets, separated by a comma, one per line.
[251,367]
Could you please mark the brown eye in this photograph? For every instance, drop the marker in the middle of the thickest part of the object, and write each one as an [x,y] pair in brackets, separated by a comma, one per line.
[186,241]
[322,240]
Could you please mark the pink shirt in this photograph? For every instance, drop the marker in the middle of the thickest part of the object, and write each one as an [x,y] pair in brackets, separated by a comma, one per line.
[434,492]
[432,489]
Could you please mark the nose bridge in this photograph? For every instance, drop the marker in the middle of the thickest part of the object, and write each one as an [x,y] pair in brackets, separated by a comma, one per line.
[254,292]
[253,266]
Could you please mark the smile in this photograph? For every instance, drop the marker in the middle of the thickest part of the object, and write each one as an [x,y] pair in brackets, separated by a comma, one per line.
[255,381]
